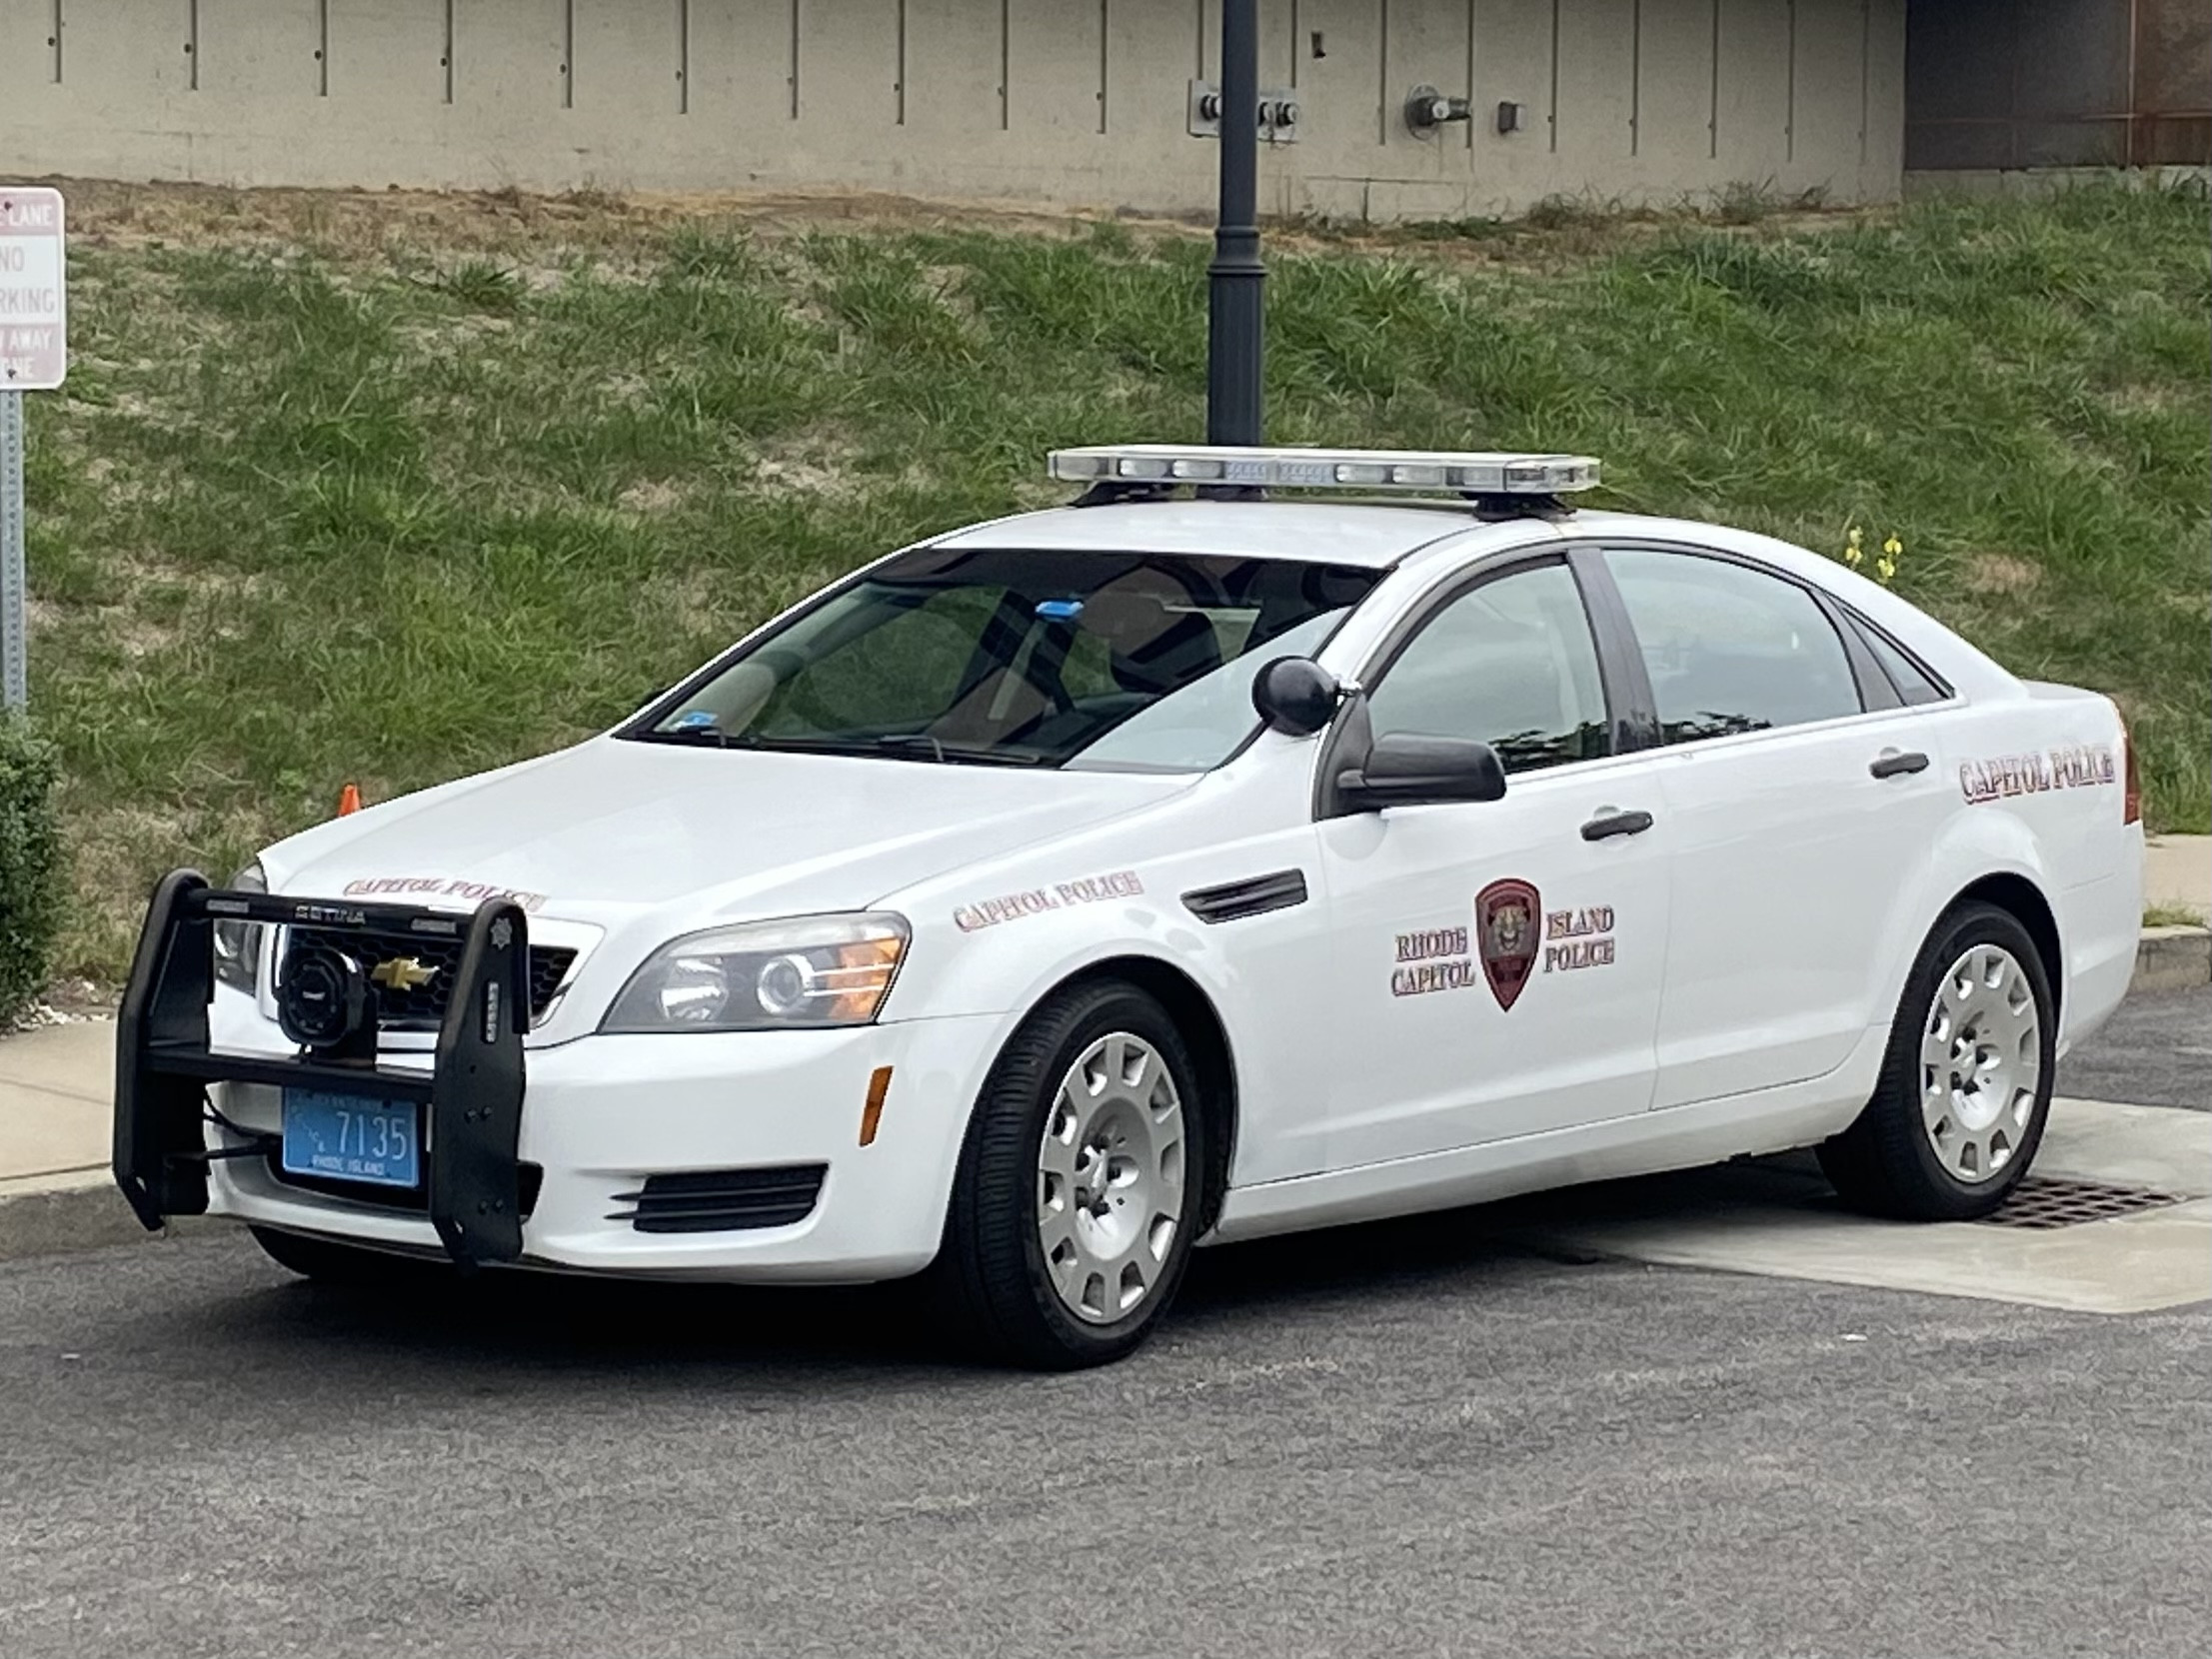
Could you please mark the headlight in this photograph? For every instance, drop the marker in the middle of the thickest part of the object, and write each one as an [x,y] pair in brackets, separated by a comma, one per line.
[809,970]
[238,944]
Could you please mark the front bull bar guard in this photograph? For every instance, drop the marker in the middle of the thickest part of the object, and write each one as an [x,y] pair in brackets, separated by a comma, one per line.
[472,1099]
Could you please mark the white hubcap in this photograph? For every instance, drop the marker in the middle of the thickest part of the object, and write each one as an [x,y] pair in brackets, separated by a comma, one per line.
[1981,1058]
[1110,1173]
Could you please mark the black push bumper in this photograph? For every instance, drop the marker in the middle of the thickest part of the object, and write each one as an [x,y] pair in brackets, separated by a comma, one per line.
[472,1098]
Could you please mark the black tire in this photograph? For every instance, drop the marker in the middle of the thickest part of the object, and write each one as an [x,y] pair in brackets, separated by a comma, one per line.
[991,1273]
[328,1262]
[1883,1164]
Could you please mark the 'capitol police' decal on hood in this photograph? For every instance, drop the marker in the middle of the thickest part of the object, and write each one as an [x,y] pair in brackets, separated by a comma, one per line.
[428,888]
[1090,890]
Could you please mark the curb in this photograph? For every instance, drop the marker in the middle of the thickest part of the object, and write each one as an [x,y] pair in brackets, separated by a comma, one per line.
[78,1211]
[2172,959]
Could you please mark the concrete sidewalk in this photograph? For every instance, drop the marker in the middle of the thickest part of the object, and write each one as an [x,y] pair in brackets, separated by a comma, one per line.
[55,1083]
[2177,874]
[56,1115]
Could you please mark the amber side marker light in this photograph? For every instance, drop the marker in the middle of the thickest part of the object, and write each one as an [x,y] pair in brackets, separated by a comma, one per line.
[878,1085]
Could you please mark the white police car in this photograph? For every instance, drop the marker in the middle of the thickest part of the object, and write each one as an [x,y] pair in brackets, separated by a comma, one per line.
[1064,891]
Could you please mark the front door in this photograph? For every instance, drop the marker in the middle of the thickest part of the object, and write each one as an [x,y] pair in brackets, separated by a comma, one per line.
[1499,964]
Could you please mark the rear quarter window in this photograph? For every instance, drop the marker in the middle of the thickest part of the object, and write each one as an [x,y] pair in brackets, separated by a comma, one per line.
[1915,683]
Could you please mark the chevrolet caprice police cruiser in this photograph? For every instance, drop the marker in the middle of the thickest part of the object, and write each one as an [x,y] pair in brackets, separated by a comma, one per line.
[1056,894]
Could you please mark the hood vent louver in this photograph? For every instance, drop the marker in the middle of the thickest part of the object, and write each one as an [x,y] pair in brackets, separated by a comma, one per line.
[1253,895]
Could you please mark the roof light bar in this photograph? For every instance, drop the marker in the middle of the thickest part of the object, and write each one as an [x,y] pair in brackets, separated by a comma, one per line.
[1486,473]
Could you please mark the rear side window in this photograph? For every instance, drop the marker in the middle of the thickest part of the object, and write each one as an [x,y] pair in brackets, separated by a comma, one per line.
[1914,683]
[1730,648]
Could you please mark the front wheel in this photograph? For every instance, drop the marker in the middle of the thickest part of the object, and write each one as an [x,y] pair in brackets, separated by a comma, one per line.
[1966,1082]
[1079,1185]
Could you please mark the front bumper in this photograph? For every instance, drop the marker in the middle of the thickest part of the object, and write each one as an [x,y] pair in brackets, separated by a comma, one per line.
[743,1156]
[603,1114]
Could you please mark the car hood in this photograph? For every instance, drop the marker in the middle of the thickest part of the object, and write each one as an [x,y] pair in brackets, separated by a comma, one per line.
[612,830]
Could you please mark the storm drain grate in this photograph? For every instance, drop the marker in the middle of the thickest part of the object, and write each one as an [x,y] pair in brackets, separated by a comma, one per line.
[2043,1202]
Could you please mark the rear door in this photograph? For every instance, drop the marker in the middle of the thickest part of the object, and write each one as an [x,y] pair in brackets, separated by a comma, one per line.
[1798,785]
[1497,964]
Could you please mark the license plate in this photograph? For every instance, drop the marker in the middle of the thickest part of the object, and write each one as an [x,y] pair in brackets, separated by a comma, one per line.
[344,1138]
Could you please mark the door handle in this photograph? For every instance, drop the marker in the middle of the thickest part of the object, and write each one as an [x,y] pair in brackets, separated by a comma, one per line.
[1607,825]
[1890,763]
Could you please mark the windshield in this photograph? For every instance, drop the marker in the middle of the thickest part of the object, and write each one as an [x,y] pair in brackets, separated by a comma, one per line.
[1008,657]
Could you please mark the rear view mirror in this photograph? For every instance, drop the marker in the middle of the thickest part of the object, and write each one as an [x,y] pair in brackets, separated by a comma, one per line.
[1296,695]
[1406,771]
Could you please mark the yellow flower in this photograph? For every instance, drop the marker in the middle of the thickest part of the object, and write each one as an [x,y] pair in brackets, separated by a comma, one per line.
[1886,566]
[1852,551]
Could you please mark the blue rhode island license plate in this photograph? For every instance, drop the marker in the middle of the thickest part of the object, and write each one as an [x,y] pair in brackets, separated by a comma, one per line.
[344,1138]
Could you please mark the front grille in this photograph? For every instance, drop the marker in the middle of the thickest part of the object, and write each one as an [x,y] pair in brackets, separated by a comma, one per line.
[2041,1202]
[423,1007]
[530,1177]
[724,1200]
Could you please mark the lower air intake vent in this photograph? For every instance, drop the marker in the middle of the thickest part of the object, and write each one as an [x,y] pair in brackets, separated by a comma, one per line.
[529,1178]
[724,1200]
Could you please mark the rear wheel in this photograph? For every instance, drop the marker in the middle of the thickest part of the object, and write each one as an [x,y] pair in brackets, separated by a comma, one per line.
[329,1262]
[1079,1185]
[1966,1082]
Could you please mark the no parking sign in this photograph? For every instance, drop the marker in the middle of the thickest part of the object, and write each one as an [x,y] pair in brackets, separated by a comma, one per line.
[34,357]
[34,320]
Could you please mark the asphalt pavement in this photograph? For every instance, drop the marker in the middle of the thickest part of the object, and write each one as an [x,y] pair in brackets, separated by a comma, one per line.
[2155,1050]
[1399,1439]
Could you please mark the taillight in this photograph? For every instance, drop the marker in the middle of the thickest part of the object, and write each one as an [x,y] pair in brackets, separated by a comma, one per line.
[2131,797]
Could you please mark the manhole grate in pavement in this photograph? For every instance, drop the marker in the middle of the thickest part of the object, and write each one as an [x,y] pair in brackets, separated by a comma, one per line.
[2042,1202]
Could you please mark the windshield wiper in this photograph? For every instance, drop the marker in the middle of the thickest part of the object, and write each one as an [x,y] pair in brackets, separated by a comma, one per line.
[706,737]
[946,754]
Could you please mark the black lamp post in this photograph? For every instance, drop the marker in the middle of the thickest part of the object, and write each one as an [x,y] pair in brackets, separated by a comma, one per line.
[1235,279]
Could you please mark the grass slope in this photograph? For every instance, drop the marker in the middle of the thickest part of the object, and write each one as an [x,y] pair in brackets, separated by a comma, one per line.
[348,489]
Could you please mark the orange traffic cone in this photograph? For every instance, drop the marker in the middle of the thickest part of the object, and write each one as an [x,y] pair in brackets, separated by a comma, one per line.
[349,800]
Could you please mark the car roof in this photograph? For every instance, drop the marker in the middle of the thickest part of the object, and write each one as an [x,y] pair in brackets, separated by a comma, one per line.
[1319,531]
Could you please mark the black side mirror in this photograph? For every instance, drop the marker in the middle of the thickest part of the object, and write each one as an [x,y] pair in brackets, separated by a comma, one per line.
[1406,771]
[1296,695]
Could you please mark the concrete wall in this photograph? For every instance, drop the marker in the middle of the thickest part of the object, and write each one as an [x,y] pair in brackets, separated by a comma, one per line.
[1066,102]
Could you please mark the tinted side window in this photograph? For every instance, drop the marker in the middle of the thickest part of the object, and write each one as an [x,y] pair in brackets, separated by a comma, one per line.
[1730,648]
[1510,663]
[1914,683]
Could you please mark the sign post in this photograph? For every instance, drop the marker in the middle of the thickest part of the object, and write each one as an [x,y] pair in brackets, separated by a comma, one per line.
[34,357]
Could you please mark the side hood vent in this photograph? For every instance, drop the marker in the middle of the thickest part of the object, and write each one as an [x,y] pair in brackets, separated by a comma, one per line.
[1253,895]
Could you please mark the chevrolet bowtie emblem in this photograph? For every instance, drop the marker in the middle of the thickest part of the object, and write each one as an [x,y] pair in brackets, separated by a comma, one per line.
[403,973]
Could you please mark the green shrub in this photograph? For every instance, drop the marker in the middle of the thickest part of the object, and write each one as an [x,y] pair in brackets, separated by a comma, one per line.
[30,864]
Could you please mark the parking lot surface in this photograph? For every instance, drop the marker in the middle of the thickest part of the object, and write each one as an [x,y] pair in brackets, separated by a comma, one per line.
[1407,1438]
[1399,1439]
